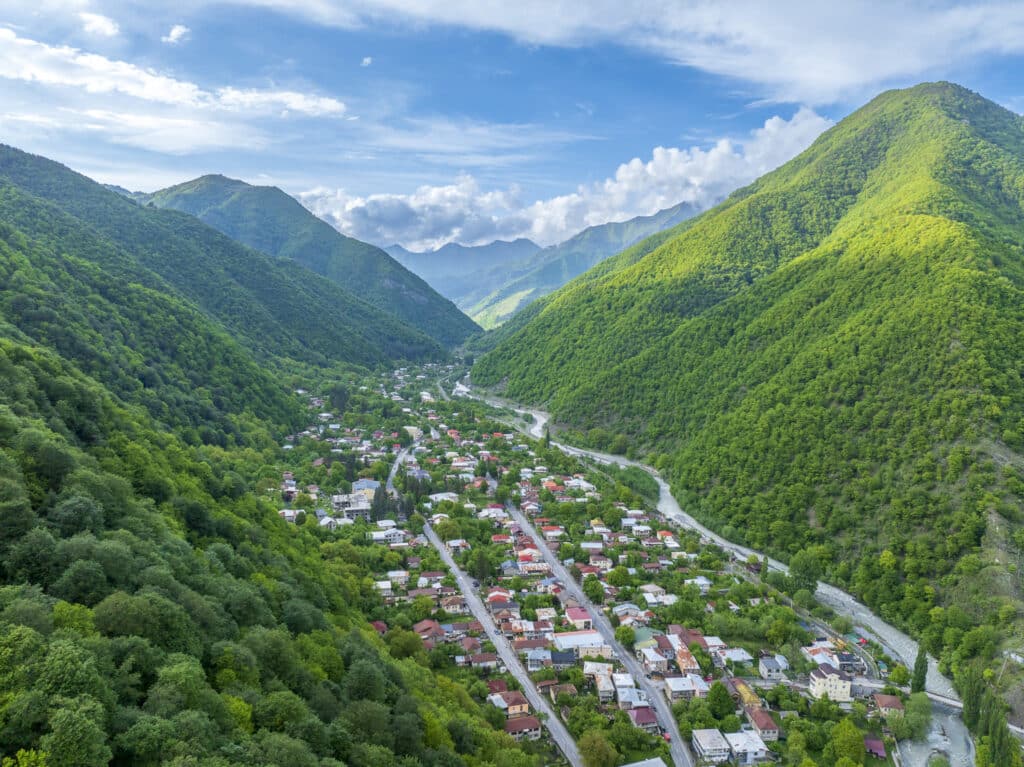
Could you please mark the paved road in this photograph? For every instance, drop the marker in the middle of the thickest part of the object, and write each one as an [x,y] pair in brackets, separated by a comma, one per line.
[901,644]
[390,487]
[558,732]
[680,753]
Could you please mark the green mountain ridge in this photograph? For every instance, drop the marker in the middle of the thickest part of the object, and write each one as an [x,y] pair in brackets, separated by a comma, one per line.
[550,268]
[253,295]
[267,219]
[829,362]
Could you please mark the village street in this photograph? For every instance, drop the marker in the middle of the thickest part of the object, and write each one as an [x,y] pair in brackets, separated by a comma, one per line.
[559,734]
[679,750]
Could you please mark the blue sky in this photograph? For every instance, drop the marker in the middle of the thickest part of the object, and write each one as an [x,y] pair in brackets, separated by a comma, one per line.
[428,121]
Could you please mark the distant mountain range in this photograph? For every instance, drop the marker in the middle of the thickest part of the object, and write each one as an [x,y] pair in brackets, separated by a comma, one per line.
[492,282]
[456,270]
[267,219]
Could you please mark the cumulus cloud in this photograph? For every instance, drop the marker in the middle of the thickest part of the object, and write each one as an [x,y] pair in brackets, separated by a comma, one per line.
[60,65]
[119,102]
[367,60]
[794,50]
[179,33]
[95,24]
[464,212]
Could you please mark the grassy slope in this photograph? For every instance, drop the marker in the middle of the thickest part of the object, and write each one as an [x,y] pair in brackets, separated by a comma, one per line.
[267,219]
[830,357]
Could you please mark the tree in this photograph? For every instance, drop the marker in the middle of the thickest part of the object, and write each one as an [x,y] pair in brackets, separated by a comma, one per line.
[720,702]
[917,682]
[805,570]
[625,635]
[593,589]
[597,750]
[899,675]
[75,740]
[847,742]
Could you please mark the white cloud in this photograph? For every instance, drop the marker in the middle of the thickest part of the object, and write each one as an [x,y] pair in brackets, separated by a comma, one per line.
[792,50]
[367,60]
[63,66]
[95,24]
[179,33]
[463,212]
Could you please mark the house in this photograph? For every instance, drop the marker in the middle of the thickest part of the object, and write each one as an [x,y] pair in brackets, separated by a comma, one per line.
[746,747]
[734,655]
[605,687]
[428,629]
[685,687]
[387,536]
[562,660]
[537,659]
[686,662]
[710,746]
[484,660]
[645,719]
[874,747]
[888,704]
[770,669]
[763,724]
[579,618]
[523,728]
[512,702]
[457,544]
[497,685]
[398,577]
[655,761]
[826,680]
[701,582]
[586,643]
[653,660]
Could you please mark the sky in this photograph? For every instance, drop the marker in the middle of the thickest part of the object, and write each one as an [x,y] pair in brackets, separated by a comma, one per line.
[422,122]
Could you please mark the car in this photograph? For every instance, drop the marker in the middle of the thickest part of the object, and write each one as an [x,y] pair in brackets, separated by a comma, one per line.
[667,736]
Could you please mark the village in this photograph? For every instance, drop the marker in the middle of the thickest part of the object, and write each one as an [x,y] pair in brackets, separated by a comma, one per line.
[571,609]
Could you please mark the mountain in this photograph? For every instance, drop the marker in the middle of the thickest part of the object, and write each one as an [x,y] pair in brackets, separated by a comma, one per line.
[253,296]
[826,366]
[152,600]
[267,219]
[551,268]
[456,270]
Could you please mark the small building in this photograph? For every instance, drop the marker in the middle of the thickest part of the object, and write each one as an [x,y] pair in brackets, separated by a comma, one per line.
[888,704]
[874,747]
[710,746]
[770,669]
[685,687]
[644,719]
[523,728]
[763,723]
[746,748]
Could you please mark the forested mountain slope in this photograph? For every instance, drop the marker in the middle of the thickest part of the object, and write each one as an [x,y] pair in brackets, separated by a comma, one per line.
[267,219]
[551,268]
[829,361]
[154,607]
[274,308]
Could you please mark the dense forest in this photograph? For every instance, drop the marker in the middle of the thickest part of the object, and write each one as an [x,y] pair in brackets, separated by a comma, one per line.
[829,362]
[276,308]
[154,607]
[267,219]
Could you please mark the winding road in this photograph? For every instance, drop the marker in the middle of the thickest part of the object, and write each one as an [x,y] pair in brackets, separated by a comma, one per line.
[559,734]
[843,603]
